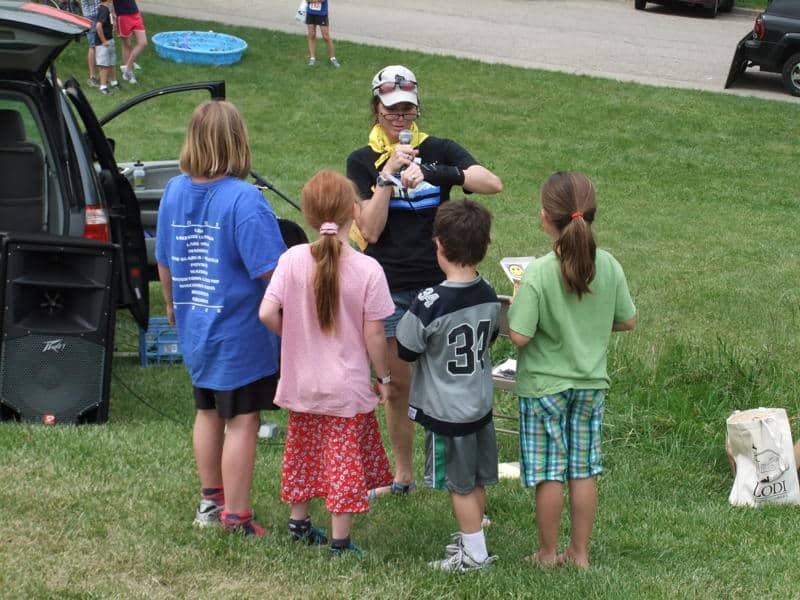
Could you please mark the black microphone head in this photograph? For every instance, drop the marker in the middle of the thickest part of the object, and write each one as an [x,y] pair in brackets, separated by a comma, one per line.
[405,136]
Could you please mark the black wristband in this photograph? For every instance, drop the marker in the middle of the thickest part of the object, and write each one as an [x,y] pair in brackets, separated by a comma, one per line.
[442,174]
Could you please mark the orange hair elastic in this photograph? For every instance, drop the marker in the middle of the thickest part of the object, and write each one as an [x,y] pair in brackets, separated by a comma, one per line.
[576,214]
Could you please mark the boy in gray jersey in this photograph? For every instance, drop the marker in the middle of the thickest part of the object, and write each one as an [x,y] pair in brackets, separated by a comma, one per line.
[446,333]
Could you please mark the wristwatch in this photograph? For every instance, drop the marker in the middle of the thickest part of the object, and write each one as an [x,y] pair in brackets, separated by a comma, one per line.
[383,181]
[386,380]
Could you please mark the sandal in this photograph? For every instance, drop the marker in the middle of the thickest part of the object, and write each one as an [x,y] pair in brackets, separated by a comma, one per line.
[402,489]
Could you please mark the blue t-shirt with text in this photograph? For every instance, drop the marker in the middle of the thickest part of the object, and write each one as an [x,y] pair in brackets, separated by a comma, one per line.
[218,239]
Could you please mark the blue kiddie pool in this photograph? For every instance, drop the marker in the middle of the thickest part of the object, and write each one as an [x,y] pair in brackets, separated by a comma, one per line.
[199,47]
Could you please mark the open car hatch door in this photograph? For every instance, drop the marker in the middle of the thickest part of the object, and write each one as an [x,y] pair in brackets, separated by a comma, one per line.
[123,211]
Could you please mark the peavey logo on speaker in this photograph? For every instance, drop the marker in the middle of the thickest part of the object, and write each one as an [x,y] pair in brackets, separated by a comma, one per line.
[54,345]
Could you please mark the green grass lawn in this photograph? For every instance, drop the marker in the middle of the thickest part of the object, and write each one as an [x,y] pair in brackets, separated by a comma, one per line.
[697,201]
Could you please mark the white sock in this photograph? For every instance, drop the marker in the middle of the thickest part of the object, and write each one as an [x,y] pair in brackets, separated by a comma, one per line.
[475,545]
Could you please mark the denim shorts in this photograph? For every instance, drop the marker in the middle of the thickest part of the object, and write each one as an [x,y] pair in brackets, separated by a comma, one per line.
[402,301]
[561,436]
[91,35]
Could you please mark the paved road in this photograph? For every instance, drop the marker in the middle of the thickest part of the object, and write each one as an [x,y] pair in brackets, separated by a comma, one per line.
[606,38]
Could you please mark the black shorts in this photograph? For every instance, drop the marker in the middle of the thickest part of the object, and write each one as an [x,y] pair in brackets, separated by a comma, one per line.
[250,398]
[321,20]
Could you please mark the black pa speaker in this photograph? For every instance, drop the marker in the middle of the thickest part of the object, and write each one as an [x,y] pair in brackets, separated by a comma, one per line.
[57,329]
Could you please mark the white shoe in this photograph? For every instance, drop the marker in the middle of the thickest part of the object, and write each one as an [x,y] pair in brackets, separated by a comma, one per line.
[460,561]
[454,547]
[136,67]
[208,513]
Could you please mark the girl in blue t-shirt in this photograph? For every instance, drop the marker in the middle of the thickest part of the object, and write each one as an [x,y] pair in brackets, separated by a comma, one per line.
[568,303]
[217,243]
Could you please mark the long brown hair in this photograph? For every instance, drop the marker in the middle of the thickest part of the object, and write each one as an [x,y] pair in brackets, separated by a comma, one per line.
[328,197]
[568,200]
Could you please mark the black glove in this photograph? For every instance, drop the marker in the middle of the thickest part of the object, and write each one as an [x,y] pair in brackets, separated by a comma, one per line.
[442,174]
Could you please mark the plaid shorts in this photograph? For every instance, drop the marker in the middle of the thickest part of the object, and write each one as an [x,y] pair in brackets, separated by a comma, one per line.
[560,436]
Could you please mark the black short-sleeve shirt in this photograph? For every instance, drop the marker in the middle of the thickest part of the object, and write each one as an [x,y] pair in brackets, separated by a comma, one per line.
[405,248]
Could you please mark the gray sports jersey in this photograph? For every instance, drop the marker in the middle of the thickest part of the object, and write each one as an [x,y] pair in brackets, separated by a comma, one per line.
[447,331]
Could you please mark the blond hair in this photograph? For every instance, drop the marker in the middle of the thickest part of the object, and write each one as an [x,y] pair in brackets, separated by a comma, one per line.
[328,197]
[216,142]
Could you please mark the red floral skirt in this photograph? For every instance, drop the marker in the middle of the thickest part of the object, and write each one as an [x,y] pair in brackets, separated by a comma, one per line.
[336,458]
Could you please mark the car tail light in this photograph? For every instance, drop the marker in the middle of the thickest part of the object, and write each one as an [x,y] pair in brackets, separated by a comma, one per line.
[758,29]
[96,224]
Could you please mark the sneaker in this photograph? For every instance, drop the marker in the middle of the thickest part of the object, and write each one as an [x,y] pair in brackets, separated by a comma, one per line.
[242,523]
[335,62]
[136,66]
[115,84]
[129,76]
[104,90]
[351,548]
[312,61]
[92,82]
[461,561]
[208,513]
[454,547]
[313,536]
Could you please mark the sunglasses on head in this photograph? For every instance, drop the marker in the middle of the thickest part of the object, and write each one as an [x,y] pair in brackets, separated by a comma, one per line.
[400,82]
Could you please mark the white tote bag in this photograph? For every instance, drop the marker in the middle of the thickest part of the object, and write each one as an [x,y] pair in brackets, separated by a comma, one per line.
[300,14]
[760,442]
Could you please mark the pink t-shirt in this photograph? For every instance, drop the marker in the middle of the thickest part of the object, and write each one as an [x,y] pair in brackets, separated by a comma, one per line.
[327,374]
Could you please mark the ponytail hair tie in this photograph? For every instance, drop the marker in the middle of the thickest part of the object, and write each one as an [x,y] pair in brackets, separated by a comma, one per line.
[328,228]
[577,214]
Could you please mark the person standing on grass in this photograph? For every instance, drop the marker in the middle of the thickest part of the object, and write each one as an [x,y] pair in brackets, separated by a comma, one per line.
[217,243]
[328,302]
[130,23]
[317,16]
[106,51]
[401,185]
[89,10]
[446,333]
[568,303]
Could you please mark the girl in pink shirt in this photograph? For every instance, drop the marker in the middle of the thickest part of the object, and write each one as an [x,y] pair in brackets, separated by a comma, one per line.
[328,302]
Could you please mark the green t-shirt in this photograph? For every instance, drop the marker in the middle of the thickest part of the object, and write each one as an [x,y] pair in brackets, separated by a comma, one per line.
[569,344]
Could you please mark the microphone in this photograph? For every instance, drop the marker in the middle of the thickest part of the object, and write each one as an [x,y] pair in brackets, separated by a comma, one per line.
[404,137]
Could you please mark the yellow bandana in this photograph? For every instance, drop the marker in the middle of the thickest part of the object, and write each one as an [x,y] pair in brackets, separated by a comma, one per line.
[380,143]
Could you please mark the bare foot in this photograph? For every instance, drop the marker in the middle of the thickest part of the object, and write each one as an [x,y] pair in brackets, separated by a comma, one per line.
[579,562]
[542,561]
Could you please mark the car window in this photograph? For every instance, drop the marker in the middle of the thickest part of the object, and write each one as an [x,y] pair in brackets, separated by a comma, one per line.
[32,132]
[34,203]
[789,8]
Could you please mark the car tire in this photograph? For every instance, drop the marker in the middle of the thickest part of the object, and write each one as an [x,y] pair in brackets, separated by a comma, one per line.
[712,11]
[726,6]
[791,74]
[639,4]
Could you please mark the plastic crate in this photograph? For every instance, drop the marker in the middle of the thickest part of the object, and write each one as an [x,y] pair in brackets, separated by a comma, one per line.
[159,344]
